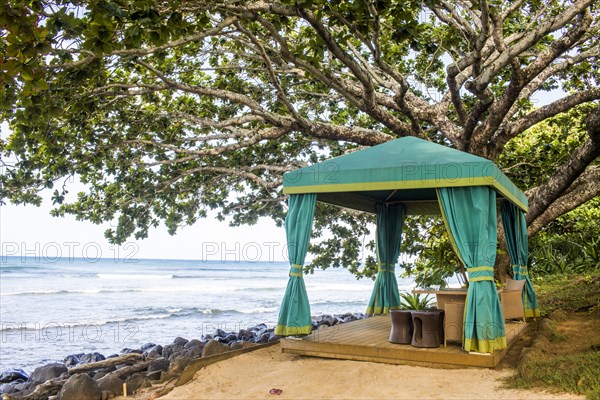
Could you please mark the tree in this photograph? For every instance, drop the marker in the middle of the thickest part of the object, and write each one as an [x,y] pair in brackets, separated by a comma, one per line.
[166,109]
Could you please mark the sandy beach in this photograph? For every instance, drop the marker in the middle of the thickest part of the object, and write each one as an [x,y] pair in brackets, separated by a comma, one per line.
[253,375]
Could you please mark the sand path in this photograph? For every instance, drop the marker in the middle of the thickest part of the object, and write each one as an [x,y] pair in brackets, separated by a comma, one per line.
[253,375]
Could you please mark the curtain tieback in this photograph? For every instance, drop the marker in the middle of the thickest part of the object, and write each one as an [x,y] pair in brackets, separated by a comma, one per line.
[383,267]
[296,270]
[481,273]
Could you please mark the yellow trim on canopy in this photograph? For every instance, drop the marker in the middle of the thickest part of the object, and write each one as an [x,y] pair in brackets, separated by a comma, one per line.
[484,346]
[483,268]
[532,312]
[413,184]
[283,330]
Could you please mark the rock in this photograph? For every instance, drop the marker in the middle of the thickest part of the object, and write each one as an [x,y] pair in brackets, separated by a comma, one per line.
[47,372]
[80,387]
[154,375]
[207,337]
[103,372]
[194,352]
[259,327]
[71,361]
[113,356]
[264,338]
[232,337]
[90,358]
[160,364]
[127,350]
[179,341]
[245,334]
[136,382]
[213,347]
[11,375]
[546,328]
[235,345]
[8,388]
[111,383]
[147,346]
[273,337]
[178,364]
[154,352]
[107,395]
[193,343]
[171,349]
[220,333]
[558,315]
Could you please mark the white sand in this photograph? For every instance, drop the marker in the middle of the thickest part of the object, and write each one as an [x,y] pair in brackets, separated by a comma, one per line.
[253,375]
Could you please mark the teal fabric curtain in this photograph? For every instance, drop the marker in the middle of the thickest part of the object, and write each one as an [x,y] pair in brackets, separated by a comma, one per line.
[515,231]
[294,314]
[470,217]
[390,220]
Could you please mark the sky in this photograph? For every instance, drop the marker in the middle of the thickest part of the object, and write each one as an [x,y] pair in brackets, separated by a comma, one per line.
[30,232]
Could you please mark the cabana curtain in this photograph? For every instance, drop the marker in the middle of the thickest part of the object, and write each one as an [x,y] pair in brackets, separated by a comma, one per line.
[515,231]
[470,217]
[385,296]
[294,314]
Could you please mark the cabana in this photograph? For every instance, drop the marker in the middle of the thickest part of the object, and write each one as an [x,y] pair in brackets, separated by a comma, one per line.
[413,176]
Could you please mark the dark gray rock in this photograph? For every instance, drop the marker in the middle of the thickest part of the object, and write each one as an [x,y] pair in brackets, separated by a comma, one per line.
[113,356]
[136,382]
[80,387]
[259,327]
[154,352]
[213,347]
[220,333]
[160,364]
[273,337]
[232,337]
[171,349]
[245,334]
[47,372]
[103,372]
[178,364]
[90,358]
[179,341]
[8,388]
[127,350]
[14,374]
[111,383]
[207,337]
[194,352]
[71,361]
[147,346]
[264,338]
[154,375]
[193,343]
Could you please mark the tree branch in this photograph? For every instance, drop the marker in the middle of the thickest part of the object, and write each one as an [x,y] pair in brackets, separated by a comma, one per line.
[585,188]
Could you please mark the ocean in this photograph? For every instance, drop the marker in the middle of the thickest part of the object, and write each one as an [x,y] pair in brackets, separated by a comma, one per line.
[50,308]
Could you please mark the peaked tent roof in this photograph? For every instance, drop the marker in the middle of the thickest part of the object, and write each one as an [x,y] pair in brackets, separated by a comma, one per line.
[406,170]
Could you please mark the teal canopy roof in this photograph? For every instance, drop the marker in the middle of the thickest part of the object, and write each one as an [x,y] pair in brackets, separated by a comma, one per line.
[406,170]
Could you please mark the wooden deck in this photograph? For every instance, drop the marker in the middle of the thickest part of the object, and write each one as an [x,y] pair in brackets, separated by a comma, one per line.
[367,340]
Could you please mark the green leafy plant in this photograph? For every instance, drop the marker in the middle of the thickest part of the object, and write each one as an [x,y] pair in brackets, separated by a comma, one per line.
[414,301]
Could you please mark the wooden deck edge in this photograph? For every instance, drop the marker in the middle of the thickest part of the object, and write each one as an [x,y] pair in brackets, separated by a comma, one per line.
[400,355]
